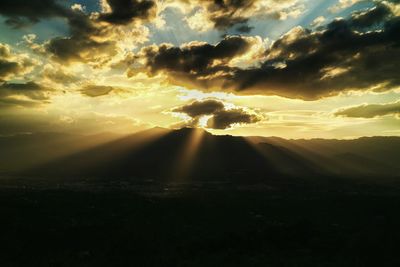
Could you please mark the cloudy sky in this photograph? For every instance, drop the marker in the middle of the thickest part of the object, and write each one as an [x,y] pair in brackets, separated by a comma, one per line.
[289,68]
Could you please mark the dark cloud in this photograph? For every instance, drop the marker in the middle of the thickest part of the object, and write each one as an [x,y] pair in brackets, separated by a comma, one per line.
[371,17]
[304,64]
[223,119]
[125,11]
[220,116]
[21,12]
[324,63]
[4,51]
[12,65]
[194,58]
[21,87]
[34,94]
[8,67]
[371,110]
[195,62]
[89,38]
[96,90]
[244,28]
[225,14]
[201,108]
[87,42]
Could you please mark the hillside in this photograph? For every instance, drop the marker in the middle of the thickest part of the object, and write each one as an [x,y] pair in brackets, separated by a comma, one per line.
[188,155]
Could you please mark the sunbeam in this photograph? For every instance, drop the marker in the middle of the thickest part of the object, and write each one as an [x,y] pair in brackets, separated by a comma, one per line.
[182,168]
[100,154]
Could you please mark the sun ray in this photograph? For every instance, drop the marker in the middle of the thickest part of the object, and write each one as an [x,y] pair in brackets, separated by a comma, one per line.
[182,170]
[115,147]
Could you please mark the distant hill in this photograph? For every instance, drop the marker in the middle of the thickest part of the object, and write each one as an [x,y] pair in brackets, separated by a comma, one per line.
[168,156]
[190,155]
[366,156]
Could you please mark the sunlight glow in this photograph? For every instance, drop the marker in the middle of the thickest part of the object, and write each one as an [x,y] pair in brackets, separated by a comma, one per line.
[185,161]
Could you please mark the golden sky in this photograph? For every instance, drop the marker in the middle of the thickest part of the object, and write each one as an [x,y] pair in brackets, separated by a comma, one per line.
[293,68]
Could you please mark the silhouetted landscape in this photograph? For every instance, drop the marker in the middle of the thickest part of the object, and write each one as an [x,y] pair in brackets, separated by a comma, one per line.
[184,133]
[160,155]
[189,198]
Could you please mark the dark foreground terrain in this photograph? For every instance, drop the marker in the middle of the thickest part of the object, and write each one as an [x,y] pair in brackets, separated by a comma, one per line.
[213,225]
[189,198]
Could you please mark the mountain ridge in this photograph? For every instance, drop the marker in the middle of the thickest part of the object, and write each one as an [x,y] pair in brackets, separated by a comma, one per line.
[194,154]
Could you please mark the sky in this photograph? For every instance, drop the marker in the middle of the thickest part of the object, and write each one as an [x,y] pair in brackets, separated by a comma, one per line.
[288,68]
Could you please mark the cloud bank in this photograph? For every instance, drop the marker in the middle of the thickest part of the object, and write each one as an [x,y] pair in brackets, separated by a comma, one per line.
[371,110]
[347,54]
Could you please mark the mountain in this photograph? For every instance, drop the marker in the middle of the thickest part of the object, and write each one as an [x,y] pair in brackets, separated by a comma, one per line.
[170,156]
[366,156]
[192,155]
[24,151]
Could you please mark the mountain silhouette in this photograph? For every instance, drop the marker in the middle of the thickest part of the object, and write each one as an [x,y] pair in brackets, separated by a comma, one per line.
[165,155]
[194,155]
